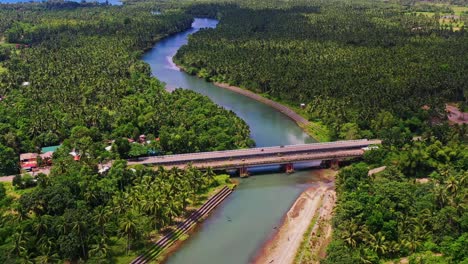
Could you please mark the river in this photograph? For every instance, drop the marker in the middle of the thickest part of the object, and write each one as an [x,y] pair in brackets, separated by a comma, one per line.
[238,228]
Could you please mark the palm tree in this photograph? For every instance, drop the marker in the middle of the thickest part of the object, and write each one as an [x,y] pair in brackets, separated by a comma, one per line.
[80,227]
[441,196]
[378,244]
[101,217]
[351,234]
[152,206]
[19,243]
[45,247]
[40,227]
[101,249]
[128,227]
[452,185]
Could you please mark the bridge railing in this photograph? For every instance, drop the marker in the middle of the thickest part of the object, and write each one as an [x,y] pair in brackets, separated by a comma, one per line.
[252,151]
[259,148]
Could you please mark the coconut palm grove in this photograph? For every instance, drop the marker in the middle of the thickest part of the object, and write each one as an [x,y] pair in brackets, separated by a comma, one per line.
[72,76]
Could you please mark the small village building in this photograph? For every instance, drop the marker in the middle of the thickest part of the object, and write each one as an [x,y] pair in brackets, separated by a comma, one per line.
[47,158]
[49,149]
[28,161]
[76,156]
[450,17]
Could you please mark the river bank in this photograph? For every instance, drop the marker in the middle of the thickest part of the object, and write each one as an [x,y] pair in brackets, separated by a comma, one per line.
[296,239]
[178,241]
[315,130]
[221,238]
[306,227]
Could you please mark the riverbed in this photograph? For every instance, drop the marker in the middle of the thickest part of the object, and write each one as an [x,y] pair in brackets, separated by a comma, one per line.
[238,228]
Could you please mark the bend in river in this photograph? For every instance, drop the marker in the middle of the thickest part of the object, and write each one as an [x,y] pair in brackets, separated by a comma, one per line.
[239,227]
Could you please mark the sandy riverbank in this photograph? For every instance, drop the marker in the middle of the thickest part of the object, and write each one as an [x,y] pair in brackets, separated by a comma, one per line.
[313,207]
[282,108]
[301,121]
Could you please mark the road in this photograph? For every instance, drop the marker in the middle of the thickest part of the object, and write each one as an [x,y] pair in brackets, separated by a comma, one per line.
[10,178]
[272,160]
[228,159]
[255,153]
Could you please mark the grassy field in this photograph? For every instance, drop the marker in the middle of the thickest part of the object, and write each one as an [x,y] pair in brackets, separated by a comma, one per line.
[460,11]
[13,192]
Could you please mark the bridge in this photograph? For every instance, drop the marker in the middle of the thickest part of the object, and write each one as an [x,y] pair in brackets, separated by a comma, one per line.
[242,159]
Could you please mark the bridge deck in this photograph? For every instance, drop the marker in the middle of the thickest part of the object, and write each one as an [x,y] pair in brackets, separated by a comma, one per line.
[263,156]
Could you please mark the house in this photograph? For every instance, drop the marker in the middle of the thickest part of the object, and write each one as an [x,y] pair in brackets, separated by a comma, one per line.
[47,158]
[28,161]
[47,153]
[450,17]
[76,155]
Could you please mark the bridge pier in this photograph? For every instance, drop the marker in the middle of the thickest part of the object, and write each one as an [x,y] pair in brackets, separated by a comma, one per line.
[335,164]
[243,172]
[288,168]
[332,164]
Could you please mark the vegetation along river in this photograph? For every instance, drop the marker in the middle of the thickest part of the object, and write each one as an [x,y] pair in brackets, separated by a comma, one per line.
[239,227]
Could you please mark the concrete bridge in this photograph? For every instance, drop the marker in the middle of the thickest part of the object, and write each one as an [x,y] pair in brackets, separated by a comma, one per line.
[281,155]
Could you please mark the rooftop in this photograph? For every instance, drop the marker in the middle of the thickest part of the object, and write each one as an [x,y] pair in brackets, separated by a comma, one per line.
[28,156]
[50,149]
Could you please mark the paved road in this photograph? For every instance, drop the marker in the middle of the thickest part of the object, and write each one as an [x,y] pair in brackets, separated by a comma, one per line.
[255,153]
[272,160]
[10,178]
[250,157]
[6,178]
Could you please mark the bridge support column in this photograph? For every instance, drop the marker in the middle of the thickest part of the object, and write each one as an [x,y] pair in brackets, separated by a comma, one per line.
[288,167]
[325,164]
[335,164]
[243,172]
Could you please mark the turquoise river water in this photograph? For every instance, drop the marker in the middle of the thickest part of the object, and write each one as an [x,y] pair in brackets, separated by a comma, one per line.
[238,228]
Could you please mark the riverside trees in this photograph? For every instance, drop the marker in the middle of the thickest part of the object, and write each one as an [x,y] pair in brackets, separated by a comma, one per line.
[394,214]
[79,214]
[365,70]
[75,77]
[347,61]
[82,68]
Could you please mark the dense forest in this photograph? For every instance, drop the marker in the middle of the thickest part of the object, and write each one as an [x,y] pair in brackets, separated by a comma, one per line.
[80,66]
[415,208]
[364,70]
[347,62]
[71,74]
[77,214]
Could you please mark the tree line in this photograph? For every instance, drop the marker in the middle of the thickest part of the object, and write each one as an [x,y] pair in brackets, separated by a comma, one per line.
[76,214]
[415,208]
[80,66]
[348,62]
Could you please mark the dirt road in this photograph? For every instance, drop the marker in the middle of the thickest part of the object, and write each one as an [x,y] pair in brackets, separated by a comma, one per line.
[455,115]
